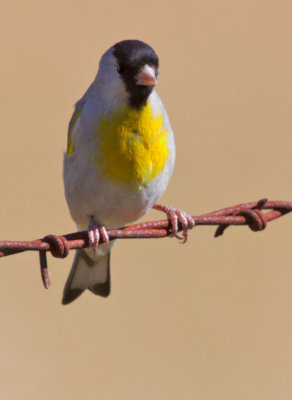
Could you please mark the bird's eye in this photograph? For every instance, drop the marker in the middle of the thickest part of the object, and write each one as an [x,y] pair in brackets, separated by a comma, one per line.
[120,68]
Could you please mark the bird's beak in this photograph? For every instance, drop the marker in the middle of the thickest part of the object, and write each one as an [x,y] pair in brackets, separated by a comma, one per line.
[146,76]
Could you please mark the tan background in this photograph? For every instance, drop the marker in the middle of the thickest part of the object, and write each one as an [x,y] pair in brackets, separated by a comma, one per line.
[208,320]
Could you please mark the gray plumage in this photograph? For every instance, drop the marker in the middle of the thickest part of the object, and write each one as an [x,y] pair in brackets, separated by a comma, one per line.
[89,193]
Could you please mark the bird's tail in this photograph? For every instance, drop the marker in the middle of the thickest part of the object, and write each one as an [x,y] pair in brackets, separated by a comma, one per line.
[88,273]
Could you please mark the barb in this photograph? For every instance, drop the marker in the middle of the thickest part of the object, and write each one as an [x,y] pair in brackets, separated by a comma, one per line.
[250,214]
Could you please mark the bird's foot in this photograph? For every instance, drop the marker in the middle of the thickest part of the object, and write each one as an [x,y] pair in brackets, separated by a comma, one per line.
[95,231]
[175,216]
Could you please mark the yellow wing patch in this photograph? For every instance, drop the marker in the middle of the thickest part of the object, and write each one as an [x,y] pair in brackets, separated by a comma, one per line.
[74,119]
[134,146]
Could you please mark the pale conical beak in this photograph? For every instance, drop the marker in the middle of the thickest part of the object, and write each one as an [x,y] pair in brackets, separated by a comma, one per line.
[146,76]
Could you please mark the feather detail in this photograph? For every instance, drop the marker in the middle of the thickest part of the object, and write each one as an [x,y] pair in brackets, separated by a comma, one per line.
[72,124]
[133,146]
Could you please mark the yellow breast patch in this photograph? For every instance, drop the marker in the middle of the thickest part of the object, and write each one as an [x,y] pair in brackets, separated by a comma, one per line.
[133,146]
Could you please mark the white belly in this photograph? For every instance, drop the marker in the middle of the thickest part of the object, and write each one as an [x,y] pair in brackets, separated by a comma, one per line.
[89,194]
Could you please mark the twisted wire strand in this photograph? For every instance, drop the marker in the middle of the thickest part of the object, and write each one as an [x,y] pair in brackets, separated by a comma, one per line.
[251,214]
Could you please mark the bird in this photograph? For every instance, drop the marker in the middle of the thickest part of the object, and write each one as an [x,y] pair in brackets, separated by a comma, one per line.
[119,160]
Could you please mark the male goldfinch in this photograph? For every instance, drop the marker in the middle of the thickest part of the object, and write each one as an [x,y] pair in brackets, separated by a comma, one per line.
[119,159]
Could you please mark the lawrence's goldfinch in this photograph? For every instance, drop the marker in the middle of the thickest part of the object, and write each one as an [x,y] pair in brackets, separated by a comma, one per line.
[119,159]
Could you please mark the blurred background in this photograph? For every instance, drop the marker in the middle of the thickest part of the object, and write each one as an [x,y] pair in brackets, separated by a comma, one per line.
[207,320]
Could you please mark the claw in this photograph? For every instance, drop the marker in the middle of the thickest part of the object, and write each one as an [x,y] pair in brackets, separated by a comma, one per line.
[104,234]
[175,216]
[95,230]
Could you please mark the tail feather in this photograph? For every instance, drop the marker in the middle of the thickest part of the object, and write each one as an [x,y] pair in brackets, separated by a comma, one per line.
[87,273]
[100,283]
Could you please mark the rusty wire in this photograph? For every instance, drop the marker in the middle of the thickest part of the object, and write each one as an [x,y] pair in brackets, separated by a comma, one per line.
[250,214]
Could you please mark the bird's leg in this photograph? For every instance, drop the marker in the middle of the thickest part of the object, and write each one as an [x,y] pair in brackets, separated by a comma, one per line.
[95,230]
[175,216]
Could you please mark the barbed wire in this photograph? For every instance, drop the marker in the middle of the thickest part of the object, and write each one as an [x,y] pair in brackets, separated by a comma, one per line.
[250,214]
